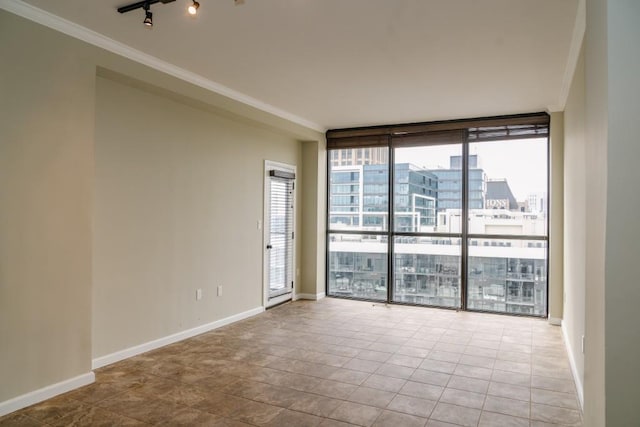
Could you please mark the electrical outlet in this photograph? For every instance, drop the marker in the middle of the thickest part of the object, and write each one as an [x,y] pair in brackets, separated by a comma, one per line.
[582,344]
[259,225]
[219,291]
[198,294]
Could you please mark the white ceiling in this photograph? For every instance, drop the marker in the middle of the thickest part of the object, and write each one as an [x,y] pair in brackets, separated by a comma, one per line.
[342,63]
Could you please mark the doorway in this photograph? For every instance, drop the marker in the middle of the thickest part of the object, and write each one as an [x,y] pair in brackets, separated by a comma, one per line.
[279,233]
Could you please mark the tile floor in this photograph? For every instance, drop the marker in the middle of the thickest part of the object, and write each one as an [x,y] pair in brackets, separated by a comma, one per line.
[335,363]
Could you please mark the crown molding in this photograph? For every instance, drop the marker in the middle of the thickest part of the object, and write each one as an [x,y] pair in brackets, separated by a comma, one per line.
[42,17]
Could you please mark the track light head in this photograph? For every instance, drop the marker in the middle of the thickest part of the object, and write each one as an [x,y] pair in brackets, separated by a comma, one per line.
[193,8]
[148,19]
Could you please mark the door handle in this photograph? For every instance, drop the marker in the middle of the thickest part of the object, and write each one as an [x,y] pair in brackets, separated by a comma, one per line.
[269,247]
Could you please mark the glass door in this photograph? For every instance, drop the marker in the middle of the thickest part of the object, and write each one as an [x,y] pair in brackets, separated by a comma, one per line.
[279,236]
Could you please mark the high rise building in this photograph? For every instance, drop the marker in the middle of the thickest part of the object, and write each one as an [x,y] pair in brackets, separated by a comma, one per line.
[537,203]
[359,156]
[359,196]
[499,195]
[450,184]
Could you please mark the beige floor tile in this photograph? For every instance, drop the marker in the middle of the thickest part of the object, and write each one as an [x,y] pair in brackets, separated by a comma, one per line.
[142,407]
[509,391]
[459,415]
[402,360]
[438,366]
[395,371]
[444,356]
[514,356]
[53,409]
[450,348]
[422,390]
[96,392]
[349,376]
[509,366]
[334,389]
[553,384]
[256,413]
[553,414]
[192,417]
[376,356]
[554,398]
[315,405]
[397,419]
[363,365]
[220,404]
[468,384]
[18,419]
[479,361]
[468,399]
[481,352]
[523,380]
[356,413]
[412,405]
[97,417]
[382,382]
[502,405]
[372,397]
[436,423]
[413,351]
[327,422]
[293,418]
[491,419]
[473,372]
[430,377]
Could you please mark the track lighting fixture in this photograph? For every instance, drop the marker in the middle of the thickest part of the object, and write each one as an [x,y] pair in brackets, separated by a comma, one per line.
[146,6]
[193,8]
[148,16]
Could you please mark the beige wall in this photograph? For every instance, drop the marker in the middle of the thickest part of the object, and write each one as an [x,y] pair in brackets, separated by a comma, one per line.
[46,173]
[596,201]
[178,191]
[314,211]
[622,290]
[575,228]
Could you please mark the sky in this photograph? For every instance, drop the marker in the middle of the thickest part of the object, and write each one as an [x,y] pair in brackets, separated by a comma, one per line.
[522,162]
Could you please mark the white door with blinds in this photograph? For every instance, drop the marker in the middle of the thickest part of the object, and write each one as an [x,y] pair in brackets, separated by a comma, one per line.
[279,233]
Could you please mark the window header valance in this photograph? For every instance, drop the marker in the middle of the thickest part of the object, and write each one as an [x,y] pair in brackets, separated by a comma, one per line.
[444,132]
[277,173]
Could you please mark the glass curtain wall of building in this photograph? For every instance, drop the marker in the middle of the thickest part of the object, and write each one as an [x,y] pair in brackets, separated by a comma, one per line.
[397,197]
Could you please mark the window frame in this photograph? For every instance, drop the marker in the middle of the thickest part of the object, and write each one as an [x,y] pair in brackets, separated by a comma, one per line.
[466,132]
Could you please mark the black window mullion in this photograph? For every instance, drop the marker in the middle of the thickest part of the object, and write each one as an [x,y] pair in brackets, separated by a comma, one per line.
[464,224]
[390,225]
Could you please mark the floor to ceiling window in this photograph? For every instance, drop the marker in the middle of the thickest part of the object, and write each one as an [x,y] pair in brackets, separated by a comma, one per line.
[449,214]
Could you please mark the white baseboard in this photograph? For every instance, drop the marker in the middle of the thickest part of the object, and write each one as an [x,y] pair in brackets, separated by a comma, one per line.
[555,321]
[574,369]
[312,297]
[170,339]
[45,393]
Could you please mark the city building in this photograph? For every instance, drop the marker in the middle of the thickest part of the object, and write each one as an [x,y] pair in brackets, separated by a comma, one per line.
[504,275]
[537,203]
[450,184]
[360,156]
[499,195]
[360,197]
